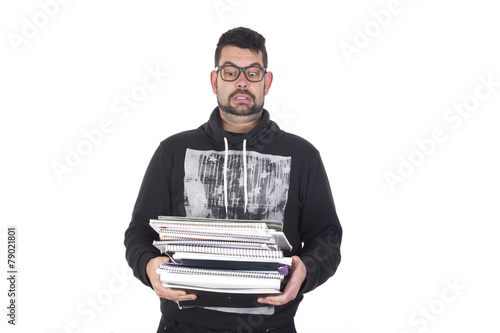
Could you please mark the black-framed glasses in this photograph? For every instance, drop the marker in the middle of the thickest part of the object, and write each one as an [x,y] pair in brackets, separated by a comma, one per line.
[232,73]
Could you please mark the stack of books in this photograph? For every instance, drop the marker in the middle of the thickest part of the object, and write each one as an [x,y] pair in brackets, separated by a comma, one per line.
[226,263]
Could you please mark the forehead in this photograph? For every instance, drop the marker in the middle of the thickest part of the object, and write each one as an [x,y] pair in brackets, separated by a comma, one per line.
[240,57]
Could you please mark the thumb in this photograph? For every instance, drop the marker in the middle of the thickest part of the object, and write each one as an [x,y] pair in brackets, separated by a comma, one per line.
[295,261]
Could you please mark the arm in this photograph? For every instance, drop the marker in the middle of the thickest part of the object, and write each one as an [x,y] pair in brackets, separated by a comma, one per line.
[153,200]
[320,231]
[319,227]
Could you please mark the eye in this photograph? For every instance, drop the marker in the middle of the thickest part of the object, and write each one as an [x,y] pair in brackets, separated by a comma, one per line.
[230,71]
[254,74]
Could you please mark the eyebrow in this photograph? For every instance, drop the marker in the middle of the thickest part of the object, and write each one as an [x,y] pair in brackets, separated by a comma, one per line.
[233,64]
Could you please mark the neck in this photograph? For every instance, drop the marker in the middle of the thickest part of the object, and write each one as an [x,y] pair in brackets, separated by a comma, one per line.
[240,125]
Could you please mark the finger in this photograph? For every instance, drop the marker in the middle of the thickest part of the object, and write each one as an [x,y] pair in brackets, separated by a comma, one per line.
[174,294]
[278,300]
[290,292]
[180,295]
[165,260]
[274,300]
[187,297]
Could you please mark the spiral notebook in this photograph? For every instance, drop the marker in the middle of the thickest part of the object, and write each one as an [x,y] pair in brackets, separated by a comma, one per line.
[250,231]
[224,262]
[197,252]
[276,225]
[216,279]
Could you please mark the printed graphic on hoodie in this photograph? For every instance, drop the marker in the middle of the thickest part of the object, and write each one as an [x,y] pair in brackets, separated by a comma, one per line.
[268,181]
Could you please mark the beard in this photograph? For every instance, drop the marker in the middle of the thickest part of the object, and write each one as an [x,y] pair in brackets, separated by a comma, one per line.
[241,109]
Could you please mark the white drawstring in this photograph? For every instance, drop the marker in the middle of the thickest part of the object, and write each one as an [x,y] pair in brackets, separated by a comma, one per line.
[245,190]
[245,173]
[225,173]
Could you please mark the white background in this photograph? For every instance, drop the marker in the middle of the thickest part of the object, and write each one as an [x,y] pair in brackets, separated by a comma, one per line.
[428,244]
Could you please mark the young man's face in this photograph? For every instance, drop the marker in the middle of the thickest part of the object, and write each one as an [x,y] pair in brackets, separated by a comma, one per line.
[240,98]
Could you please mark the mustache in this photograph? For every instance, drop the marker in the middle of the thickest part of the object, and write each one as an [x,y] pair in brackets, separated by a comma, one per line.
[242,92]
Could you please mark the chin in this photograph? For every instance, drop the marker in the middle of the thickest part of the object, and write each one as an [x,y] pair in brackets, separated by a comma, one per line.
[242,112]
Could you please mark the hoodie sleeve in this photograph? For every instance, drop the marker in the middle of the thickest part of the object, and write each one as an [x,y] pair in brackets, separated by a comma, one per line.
[153,200]
[320,229]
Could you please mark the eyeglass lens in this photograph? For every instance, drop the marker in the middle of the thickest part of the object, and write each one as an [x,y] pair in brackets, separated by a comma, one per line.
[253,74]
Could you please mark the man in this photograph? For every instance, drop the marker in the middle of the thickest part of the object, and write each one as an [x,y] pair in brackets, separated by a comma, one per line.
[238,165]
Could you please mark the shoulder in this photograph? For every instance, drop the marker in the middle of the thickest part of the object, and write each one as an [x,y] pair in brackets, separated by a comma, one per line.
[176,144]
[182,139]
[296,139]
[299,145]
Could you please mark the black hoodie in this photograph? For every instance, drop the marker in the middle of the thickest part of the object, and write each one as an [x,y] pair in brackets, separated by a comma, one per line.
[264,174]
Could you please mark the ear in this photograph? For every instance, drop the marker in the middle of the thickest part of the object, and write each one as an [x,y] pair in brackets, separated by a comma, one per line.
[213,81]
[268,80]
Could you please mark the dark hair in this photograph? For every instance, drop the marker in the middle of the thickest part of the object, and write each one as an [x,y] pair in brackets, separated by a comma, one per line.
[243,38]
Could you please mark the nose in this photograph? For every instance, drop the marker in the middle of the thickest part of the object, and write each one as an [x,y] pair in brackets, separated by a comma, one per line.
[242,82]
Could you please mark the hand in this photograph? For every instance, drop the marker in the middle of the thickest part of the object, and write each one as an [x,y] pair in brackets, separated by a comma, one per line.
[160,290]
[298,275]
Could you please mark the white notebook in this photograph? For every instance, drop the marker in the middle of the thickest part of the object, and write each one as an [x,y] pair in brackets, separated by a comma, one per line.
[218,278]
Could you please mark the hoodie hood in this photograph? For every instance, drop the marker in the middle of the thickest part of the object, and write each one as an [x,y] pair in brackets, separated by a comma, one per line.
[266,132]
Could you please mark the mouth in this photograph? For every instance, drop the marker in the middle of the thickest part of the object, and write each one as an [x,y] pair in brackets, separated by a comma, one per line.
[241,98]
